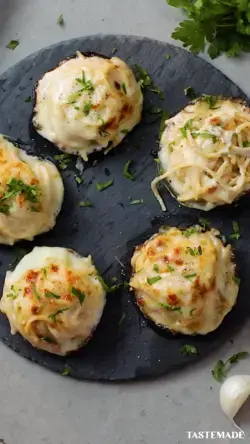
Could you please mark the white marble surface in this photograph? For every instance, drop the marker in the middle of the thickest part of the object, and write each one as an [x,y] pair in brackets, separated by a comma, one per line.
[39,407]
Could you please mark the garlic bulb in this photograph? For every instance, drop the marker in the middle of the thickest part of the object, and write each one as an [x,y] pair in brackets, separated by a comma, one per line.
[233,394]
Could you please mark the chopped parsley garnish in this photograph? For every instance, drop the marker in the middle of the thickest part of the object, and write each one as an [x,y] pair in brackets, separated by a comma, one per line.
[64,160]
[44,271]
[123,317]
[79,294]
[124,88]
[170,268]
[107,288]
[169,307]
[191,230]
[12,44]
[86,85]
[153,280]
[236,231]
[189,350]
[156,268]
[154,110]
[85,203]
[28,99]
[78,180]
[102,186]
[54,315]
[51,295]
[146,81]
[205,223]
[87,107]
[190,92]
[35,292]
[190,276]
[204,135]
[211,101]
[14,293]
[16,187]
[114,50]
[60,20]
[126,171]
[136,202]
[191,311]
[246,143]
[66,371]
[167,56]
[187,126]
[221,368]
[196,251]
[236,279]
[164,117]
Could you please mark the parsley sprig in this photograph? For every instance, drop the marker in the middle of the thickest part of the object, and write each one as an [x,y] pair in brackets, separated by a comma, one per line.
[222,368]
[222,25]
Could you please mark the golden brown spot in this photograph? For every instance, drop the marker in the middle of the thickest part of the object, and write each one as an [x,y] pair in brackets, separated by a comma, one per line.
[54,268]
[212,189]
[111,124]
[34,310]
[31,276]
[151,251]
[177,251]
[140,301]
[215,121]
[179,262]
[34,181]
[173,299]
[27,291]
[159,243]
[126,111]
[166,259]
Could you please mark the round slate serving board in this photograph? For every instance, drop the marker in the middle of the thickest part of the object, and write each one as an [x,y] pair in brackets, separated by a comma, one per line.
[124,346]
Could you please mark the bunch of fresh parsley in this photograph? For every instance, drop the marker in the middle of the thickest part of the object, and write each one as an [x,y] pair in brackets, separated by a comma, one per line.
[222,24]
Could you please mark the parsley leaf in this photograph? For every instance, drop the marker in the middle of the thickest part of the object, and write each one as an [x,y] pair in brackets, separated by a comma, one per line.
[54,315]
[85,203]
[136,202]
[79,294]
[196,251]
[191,230]
[124,88]
[146,82]
[169,307]
[187,126]
[66,371]
[223,24]
[126,171]
[246,144]
[12,44]
[210,100]
[60,20]
[28,99]
[170,268]
[204,223]
[190,276]
[102,186]
[156,268]
[86,85]
[153,280]
[189,350]
[236,231]
[51,295]
[16,186]
[190,92]
[87,107]
[222,368]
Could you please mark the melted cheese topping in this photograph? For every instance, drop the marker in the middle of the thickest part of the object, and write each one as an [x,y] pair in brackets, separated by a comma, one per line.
[53,299]
[87,104]
[31,194]
[184,281]
[204,154]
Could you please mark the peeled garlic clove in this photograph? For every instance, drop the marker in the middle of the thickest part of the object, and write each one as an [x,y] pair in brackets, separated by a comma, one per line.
[233,394]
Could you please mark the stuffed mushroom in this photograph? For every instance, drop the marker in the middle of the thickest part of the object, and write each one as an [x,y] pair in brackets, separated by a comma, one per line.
[87,103]
[54,299]
[205,153]
[185,281]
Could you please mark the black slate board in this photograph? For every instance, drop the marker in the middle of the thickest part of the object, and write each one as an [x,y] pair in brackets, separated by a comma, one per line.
[131,349]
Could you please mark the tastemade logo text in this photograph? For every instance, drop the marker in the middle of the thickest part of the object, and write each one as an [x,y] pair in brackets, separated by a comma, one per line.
[215,435]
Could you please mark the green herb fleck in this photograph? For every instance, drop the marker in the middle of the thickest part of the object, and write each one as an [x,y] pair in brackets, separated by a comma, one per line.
[189,350]
[156,268]
[196,251]
[189,276]
[60,20]
[86,85]
[16,187]
[124,88]
[187,126]
[114,50]
[211,101]
[87,107]
[236,231]
[14,293]
[154,110]
[28,99]
[35,293]
[146,81]
[136,202]
[44,271]
[190,92]
[85,203]
[123,317]
[170,268]
[191,230]
[153,280]
[221,368]
[169,307]
[191,311]
[66,371]
[102,186]
[246,144]
[78,180]
[12,44]
[79,294]
[54,315]
[205,135]
[167,56]
[204,223]
[50,295]
[236,280]
[126,171]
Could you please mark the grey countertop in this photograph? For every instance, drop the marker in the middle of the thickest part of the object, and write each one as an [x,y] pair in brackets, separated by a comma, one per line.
[39,407]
